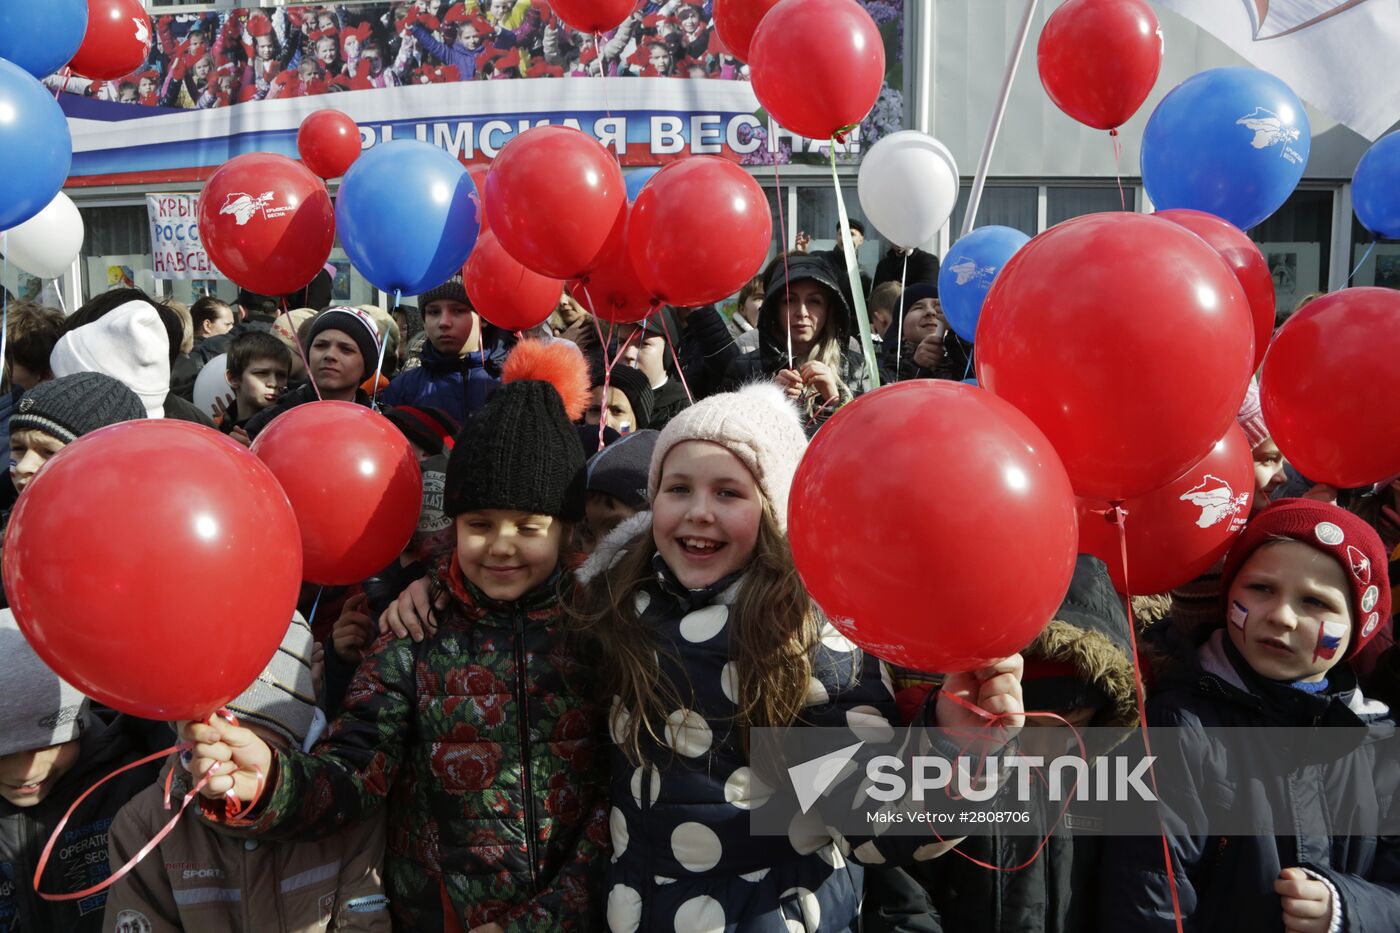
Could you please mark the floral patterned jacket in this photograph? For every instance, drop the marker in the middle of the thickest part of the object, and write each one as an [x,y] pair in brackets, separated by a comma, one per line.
[490,754]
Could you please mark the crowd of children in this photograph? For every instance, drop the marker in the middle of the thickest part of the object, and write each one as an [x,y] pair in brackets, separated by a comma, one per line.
[539,716]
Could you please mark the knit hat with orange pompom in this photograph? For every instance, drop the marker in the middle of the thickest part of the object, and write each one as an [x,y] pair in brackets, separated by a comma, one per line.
[520,451]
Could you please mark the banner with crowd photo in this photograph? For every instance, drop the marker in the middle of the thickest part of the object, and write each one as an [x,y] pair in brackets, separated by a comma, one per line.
[466,75]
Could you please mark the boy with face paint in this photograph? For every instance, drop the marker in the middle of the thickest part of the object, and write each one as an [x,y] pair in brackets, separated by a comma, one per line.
[1305,589]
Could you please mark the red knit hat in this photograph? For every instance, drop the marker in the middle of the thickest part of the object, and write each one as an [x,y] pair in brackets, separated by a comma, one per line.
[1339,534]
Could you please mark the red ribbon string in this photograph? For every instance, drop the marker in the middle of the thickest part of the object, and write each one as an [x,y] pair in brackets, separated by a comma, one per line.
[996,720]
[675,358]
[1118,516]
[233,806]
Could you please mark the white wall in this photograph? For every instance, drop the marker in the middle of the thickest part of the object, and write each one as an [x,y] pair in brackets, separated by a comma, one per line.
[971,40]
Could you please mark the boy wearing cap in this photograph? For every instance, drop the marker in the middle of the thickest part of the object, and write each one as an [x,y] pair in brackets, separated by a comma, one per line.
[458,369]
[52,749]
[343,351]
[616,486]
[1305,589]
[200,878]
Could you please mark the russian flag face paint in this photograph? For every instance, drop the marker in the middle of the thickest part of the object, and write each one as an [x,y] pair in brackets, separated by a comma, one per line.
[1329,640]
[1238,614]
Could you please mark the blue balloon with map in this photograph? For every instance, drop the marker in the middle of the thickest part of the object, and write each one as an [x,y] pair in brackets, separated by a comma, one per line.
[968,271]
[1232,142]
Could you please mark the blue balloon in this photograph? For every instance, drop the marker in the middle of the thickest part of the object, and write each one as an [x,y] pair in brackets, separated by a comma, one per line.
[1230,141]
[36,149]
[636,178]
[42,37]
[968,271]
[406,216]
[1375,189]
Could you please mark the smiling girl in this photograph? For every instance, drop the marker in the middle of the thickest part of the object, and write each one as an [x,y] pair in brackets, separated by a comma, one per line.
[705,632]
[481,739]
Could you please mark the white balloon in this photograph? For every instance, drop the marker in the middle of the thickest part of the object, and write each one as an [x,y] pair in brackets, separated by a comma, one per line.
[908,187]
[210,384]
[46,244]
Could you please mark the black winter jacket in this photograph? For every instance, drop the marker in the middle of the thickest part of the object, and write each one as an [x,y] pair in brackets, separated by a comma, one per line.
[79,859]
[1227,882]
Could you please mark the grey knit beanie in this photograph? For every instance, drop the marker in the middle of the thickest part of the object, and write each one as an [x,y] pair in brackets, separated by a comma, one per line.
[70,406]
[283,698]
[37,707]
[355,324]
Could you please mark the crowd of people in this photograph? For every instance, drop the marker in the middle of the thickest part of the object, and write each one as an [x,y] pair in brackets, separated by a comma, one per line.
[538,717]
[221,58]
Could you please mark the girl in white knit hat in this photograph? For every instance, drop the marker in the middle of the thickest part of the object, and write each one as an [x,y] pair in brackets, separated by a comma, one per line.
[705,630]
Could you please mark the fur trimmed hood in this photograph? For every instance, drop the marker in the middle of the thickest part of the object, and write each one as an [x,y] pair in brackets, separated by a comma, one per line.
[1090,632]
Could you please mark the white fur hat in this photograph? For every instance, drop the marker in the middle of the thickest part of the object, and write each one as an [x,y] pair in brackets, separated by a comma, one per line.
[129,343]
[757,424]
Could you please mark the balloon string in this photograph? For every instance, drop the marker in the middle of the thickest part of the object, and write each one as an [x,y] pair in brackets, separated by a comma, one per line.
[5,310]
[680,370]
[607,363]
[315,604]
[1118,167]
[1364,256]
[296,341]
[603,78]
[995,721]
[899,334]
[233,806]
[379,366]
[1118,516]
[783,251]
[853,273]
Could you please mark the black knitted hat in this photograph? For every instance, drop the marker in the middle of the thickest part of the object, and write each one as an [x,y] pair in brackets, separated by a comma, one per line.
[452,289]
[355,324]
[520,451]
[71,406]
[432,429]
[634,384]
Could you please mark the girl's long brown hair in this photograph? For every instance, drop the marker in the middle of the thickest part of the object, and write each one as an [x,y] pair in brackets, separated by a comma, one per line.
[774,627]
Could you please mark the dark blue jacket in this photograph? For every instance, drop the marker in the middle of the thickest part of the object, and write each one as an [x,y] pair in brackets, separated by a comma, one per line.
[1226,882]
[457,385]
[683,850]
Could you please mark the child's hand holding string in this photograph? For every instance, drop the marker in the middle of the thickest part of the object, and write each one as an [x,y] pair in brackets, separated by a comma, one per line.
[238,759]
[995,689]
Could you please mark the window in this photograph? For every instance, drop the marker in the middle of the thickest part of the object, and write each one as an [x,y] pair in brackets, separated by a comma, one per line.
[1297,242]
[1003,206]
[1061,203]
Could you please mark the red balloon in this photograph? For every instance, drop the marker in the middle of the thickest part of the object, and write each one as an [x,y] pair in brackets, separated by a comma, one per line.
[1330,384]
[901,563]
[267,222]
[329,143]
[117,42]
[110,554]
[1100,58]
[1178,532]
[1243,257]
[505,292]
[817,66]
[478,174]
[1127,340]
[699,230]
[736,20]
[354,483]
[593,15]
[612,291]
[554,195]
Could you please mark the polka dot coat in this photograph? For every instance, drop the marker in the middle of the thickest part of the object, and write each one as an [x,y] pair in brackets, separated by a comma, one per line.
[683,856]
